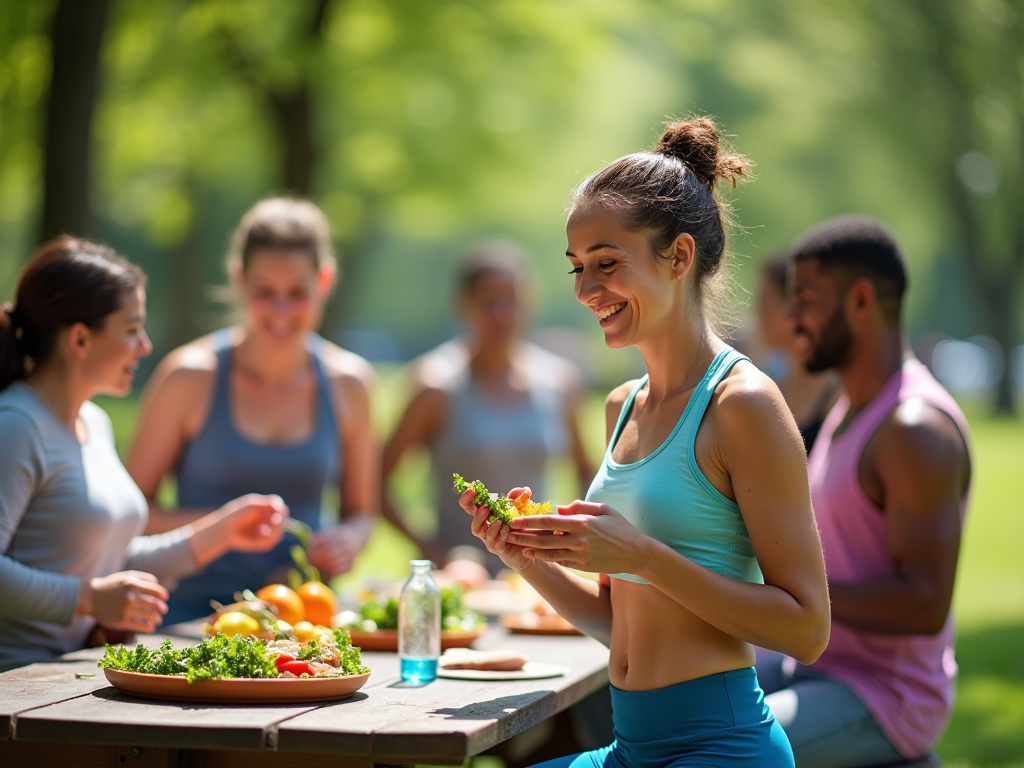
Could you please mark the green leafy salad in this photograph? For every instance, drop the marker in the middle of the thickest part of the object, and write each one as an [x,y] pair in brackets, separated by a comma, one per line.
[383,614]
[502,507]
[220,657]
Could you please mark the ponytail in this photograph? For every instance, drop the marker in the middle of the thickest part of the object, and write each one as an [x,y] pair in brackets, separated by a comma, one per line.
[66,281]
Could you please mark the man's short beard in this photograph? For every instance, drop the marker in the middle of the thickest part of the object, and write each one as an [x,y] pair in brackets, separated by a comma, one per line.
[833,348]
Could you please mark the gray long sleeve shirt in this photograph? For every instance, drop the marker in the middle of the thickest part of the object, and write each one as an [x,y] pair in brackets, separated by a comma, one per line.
[69,511]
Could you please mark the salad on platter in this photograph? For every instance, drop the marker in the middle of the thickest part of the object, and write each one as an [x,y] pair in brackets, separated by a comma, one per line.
[330,654]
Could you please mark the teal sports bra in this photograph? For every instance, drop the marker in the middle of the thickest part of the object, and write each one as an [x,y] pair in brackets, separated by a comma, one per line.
[667,497]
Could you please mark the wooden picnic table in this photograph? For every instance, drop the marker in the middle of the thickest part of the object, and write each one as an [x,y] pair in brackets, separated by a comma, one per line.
[49,716]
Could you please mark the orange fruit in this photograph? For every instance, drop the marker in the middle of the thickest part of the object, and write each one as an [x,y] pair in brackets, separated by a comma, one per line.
[288,604]
[319,601]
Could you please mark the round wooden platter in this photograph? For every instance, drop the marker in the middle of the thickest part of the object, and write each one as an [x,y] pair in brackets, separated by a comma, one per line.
[530,623]
[236,690]
[387,639]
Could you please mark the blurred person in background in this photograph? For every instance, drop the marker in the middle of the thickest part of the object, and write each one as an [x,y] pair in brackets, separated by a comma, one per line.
[809,395]
[267,406]
[890,477]
[489,404]
[70,516]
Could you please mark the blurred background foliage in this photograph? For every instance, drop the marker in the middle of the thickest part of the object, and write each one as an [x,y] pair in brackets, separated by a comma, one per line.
[422,127]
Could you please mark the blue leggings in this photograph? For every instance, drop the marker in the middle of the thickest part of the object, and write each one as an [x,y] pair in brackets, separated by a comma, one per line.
[718,721]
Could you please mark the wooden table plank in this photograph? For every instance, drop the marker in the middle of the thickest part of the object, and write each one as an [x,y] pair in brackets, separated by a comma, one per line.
[386,722]
[449,720]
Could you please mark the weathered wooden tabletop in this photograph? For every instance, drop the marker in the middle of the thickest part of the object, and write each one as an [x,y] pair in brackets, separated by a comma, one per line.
[48,716]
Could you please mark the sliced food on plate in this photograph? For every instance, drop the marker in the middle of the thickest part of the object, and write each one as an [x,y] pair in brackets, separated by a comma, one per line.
[466,658]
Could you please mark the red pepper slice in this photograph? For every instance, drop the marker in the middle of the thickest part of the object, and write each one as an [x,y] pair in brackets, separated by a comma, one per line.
[282,658]
[295,667]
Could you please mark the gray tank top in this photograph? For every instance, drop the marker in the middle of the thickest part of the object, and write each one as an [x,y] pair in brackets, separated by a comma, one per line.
[219,465]
[505,444]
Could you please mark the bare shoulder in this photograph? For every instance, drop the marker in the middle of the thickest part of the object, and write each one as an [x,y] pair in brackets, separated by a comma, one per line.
[441,368]
[347,369]
[919,435]
[617,398]
[746,393]
[188,367]
[552,366]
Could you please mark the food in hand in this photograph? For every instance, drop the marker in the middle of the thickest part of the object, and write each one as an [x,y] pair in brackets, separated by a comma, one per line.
[502,507]
[289,605]
[219,657]
[464,658]
[319,602]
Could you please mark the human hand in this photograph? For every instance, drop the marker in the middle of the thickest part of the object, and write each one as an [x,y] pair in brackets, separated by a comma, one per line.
[335,549]
[252,523]
[494,535]
[583,535]
[128,600]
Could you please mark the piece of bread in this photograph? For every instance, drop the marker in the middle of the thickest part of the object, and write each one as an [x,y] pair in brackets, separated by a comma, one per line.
[464,658]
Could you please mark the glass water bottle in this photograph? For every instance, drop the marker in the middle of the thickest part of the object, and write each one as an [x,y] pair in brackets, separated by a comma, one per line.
[419,625]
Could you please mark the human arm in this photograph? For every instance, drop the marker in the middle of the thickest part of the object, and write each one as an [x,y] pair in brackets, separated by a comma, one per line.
[418,426]
[250,523]
[174,405]
[789,612]
[352,379]
[124,600]
[916,467]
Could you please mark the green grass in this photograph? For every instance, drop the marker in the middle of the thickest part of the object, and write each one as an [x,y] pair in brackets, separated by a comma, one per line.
[987,729]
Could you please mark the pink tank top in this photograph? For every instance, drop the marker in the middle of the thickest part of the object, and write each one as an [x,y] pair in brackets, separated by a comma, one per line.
[906,681]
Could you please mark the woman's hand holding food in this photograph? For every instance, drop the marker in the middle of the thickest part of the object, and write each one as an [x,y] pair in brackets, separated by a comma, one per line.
[583,535]
[130,600]
[250,523]
[494,534]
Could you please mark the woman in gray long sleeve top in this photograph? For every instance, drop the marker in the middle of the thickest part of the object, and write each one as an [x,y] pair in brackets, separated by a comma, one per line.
[70,515]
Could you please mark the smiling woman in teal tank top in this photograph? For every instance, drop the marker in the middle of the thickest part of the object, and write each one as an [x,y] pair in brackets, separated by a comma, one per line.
[699,519]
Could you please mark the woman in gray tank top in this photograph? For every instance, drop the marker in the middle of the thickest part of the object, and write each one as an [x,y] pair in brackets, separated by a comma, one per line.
[267,407]
[70,516]
[488,404]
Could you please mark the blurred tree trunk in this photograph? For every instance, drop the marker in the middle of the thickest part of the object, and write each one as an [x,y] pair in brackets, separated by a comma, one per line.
[291,106]
[76,39]
[187,274]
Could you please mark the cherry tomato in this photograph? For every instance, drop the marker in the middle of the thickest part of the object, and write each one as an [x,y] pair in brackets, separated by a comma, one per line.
[283,658]
[295,667]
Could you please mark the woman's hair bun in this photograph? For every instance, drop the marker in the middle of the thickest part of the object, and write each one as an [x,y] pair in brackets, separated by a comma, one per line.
[695,142]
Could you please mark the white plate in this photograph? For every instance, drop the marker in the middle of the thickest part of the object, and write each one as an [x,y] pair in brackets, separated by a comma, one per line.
[532,670]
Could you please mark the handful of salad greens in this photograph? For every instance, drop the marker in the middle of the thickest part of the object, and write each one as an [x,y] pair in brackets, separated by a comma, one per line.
[502,507]
[376,614]
[222,657]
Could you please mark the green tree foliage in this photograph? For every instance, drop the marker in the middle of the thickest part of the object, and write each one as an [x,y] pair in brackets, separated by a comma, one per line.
[420,127]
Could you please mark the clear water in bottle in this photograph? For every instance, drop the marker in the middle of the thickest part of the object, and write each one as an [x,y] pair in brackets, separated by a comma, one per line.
[419,625]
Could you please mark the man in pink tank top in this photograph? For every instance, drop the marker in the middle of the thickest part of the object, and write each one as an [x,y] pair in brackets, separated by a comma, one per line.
[890,476]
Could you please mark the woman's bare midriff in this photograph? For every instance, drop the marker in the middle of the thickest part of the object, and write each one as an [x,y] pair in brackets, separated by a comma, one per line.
[656,642]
